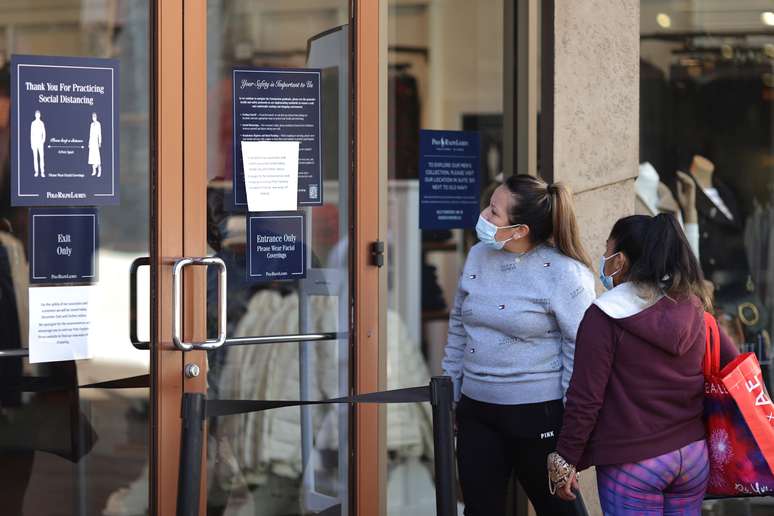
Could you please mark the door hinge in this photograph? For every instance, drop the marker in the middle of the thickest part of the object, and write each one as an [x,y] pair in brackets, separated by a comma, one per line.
[377,253]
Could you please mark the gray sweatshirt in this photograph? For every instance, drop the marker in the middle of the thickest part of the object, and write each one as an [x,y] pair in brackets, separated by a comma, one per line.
[512,328]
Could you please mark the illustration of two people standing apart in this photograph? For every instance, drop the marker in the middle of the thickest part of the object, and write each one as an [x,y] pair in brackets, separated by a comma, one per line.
[38,142]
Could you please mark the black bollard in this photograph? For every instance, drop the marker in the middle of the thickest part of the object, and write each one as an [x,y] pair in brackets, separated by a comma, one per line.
[441,397]
[189,480]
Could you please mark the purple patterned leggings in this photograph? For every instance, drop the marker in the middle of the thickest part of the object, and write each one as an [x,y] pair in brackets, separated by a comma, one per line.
[670,484]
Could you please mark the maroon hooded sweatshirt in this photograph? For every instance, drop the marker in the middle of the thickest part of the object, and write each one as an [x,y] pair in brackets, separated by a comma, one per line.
[637,387]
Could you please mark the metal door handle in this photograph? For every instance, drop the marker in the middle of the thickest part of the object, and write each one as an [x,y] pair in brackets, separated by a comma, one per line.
[143,261]
[177,303]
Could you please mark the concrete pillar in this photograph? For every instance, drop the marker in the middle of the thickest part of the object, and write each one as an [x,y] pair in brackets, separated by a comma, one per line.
[596,122]
[596,106]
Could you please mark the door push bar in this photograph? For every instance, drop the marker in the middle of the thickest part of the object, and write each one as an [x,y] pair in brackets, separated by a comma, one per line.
[279,339]
[177,303]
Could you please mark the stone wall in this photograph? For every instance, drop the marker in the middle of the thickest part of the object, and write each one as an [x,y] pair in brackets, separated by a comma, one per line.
[596,127]
[596,104]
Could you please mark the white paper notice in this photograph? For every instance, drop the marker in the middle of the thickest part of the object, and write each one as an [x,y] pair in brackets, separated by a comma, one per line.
[61,323]
[271,175]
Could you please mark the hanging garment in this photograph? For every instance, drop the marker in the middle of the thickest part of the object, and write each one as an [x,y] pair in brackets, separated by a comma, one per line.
[10,368]
[725,263]
[19,270]
[655,116]
[760,250]
[403,122]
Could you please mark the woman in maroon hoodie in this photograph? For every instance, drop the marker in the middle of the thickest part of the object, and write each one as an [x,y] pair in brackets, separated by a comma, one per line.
[635,401]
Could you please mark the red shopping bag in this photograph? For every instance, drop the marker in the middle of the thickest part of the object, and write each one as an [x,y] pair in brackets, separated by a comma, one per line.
[739,417]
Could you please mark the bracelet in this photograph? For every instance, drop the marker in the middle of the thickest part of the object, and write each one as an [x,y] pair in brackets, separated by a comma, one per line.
[559,472]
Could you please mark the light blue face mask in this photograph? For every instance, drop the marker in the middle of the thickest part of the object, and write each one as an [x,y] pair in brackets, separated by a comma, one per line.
[607,281]
[486,232]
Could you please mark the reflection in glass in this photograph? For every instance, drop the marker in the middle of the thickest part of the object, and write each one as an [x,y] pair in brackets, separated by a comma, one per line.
[68,451]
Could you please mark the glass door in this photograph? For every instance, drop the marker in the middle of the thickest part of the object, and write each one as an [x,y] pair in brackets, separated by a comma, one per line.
[278,72]
[267,153]
[478,93]
[267,190]
[75,215]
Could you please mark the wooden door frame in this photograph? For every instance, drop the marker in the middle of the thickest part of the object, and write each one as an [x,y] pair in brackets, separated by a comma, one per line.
[167,157]
[369,355]
[195,201]
[179,156]
[167,149]
[178,143]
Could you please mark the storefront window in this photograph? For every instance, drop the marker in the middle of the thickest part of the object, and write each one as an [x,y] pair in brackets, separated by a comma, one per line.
[707,150]
[439,85]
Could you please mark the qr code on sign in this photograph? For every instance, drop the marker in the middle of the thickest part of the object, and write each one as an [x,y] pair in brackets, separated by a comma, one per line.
[313,191]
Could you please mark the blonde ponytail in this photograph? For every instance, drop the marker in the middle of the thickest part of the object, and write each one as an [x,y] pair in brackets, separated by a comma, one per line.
[548,212]
[566,235]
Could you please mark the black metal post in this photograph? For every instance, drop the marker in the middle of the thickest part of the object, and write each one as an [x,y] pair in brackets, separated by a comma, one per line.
[190,477]
[441,396]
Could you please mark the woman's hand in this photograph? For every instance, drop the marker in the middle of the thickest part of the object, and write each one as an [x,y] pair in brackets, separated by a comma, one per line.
[566,491]
[562,478]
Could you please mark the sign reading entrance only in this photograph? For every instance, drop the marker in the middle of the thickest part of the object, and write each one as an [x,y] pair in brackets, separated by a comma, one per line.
[275,246]
[64,133]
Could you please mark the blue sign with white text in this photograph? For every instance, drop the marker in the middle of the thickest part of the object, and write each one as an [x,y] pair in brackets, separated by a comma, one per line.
[64,136]
[63,245]
[275,244]
[279,105]
[449,188]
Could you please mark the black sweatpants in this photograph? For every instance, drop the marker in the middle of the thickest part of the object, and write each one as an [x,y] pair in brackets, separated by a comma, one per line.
[493,441]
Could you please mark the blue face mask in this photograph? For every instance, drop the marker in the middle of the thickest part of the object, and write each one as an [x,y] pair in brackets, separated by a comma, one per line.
[607,281]
[486,232]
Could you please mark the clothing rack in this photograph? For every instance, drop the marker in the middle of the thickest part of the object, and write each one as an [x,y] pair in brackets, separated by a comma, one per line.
[687,36]
[297,52]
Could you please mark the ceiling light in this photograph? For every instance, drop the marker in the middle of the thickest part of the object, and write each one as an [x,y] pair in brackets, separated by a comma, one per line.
[664,21]
[767,17]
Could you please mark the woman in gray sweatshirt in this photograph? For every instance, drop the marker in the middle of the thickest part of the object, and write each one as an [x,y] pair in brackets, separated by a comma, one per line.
[522,294]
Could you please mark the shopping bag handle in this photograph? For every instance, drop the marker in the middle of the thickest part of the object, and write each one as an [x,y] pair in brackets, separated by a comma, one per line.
[712,349]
